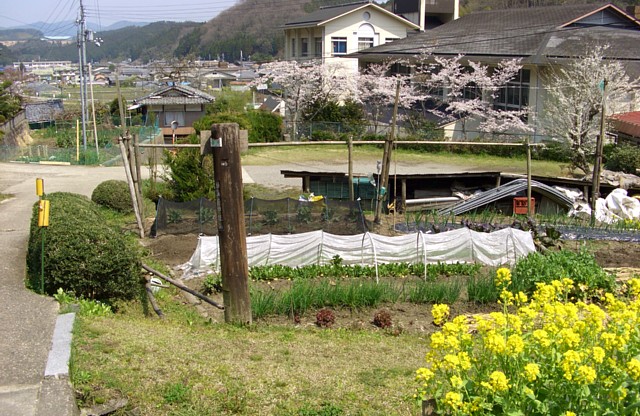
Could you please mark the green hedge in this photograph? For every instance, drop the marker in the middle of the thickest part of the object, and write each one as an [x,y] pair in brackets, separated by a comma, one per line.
[589,278]
[113,194]
[82,254]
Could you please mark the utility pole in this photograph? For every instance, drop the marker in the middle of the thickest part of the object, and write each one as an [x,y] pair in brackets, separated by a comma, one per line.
[529,207]
[224,144]
[82,50]
[383,180]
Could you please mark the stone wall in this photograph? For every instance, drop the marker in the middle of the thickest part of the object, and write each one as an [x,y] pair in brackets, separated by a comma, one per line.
[15,132]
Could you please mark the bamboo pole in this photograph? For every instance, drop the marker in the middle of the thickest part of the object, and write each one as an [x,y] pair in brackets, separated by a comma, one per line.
[182,287]
[132,190]
[135,174]
[152,300]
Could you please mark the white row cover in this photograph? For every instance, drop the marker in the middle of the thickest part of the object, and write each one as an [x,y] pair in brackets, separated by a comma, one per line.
[317,247]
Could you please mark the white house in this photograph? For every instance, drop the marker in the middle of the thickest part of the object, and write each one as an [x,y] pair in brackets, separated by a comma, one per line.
[541,37]
[331,33]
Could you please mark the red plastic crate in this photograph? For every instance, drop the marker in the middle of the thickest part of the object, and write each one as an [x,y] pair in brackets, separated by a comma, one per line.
[520,206]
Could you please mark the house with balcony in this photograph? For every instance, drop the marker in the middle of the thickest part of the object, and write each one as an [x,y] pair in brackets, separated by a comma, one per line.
[541,37]
[176,108]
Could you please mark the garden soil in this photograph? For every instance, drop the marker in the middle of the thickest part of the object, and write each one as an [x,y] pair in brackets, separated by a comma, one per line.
[174,250]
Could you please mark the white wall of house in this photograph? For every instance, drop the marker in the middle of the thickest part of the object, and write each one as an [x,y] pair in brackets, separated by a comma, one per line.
[362,28]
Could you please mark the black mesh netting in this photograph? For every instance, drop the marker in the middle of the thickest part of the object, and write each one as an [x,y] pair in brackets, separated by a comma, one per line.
[185,217]
[282,216]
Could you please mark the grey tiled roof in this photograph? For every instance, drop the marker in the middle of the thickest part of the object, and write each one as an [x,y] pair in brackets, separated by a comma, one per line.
[177,94]
[532,34]
[43,110]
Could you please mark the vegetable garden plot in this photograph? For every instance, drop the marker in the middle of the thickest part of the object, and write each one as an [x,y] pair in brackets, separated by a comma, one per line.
[317,247]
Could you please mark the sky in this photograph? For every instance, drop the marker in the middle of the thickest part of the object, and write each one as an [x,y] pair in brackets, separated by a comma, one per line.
[106,12]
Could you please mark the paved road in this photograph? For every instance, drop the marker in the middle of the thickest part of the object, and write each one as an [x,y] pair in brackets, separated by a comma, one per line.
[27,320]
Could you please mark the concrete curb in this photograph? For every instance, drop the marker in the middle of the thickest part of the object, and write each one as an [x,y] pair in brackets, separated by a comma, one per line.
[60,353]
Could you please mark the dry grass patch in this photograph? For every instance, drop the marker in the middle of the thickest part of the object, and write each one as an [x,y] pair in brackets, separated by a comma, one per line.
[187,366]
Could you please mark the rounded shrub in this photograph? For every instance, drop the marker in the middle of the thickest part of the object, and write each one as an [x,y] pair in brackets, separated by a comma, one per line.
[624,158]
[82,254]
[113,194]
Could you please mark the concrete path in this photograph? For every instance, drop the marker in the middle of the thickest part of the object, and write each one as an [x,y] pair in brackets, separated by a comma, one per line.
[27,320]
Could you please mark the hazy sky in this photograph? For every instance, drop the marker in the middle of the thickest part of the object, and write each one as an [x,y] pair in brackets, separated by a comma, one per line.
[106,12]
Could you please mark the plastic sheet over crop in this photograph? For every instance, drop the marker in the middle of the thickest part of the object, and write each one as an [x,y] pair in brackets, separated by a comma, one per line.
[317,247]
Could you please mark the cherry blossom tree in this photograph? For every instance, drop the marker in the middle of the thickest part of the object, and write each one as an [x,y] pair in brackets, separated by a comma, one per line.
[300,84]
[377,91]
[574,98]
[467,92]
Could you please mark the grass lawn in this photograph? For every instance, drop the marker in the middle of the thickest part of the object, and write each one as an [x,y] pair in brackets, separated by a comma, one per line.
[188,366]
[369,153]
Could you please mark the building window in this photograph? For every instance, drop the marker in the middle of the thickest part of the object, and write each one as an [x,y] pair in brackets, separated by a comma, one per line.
[318,48]
[366,35]
[293,48]
[171,116]
[515,95]
[339,45]
[304,47]
[364,43]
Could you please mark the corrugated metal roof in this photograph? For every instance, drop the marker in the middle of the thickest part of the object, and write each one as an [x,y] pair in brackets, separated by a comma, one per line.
[510,189]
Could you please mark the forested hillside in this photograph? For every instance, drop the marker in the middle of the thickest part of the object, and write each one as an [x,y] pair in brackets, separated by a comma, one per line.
[251,27]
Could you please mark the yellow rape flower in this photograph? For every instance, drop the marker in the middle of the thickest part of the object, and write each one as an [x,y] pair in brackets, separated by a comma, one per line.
[503,277]
[622,393]
[499,319]
[495,343]
[453,400]
[437,340]
[440,313]
[598,354]
[542,337]
[570,360]
[456,382]
[531,371]
[569,338]
[465,360]
[450,362]
[521,298]
[544,293]
[585,374]
[569,413]
[424,374]
[515,344]
[633,368]
[633,286]
[497,382]
[506,297]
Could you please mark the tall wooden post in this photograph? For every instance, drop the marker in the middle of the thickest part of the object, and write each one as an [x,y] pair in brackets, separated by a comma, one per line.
[529,207]
[350,168]
[597,165]
[386,159]
[227,172]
